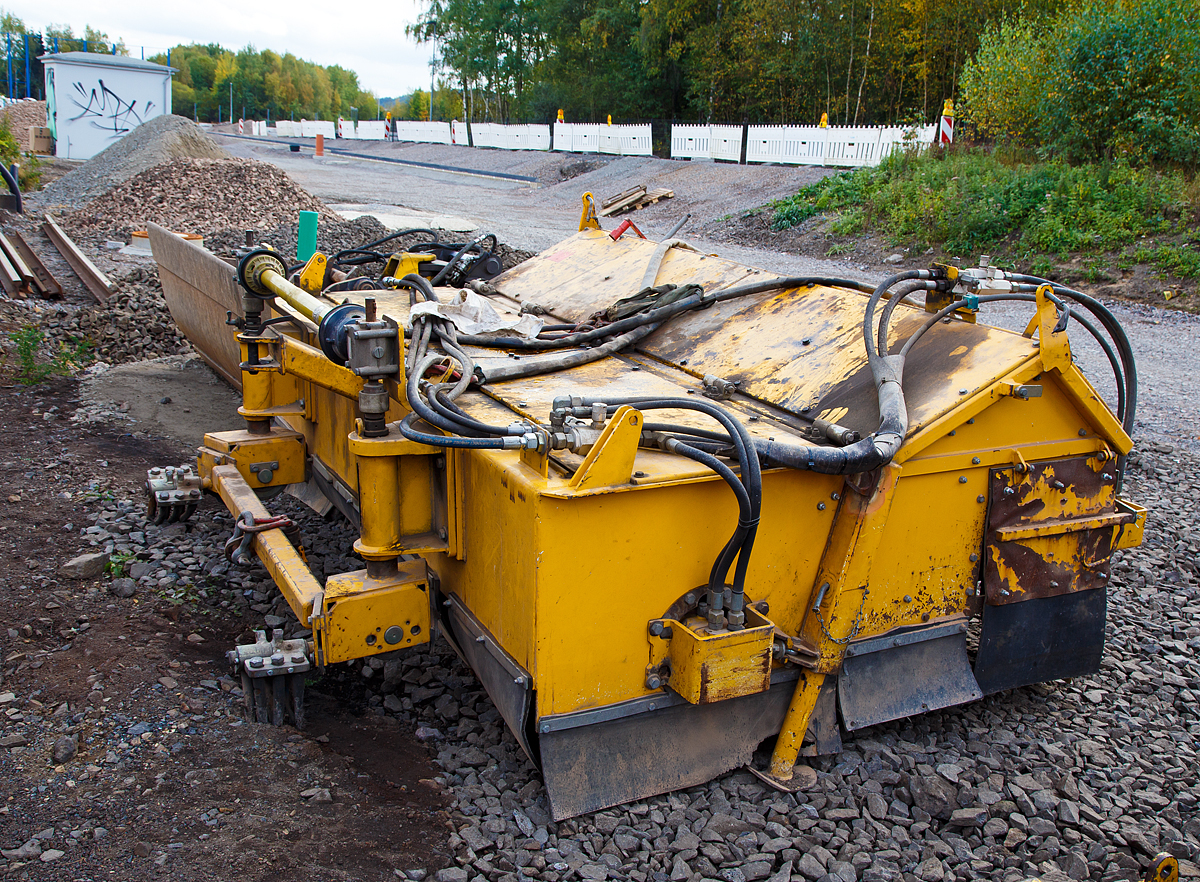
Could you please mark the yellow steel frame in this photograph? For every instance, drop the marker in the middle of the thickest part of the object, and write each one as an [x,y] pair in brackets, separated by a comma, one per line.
[535,549]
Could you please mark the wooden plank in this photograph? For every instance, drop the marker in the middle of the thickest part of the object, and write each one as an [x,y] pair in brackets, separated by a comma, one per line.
[15,259]
[43,281]
[88,272]
[624,204]
[652,197]
[10,279]
[621,197]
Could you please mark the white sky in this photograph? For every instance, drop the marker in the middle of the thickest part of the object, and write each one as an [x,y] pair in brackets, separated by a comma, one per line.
[365,36]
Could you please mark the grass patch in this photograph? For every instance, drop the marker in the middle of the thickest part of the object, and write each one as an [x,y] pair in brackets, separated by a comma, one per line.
[967,202]
[31,370]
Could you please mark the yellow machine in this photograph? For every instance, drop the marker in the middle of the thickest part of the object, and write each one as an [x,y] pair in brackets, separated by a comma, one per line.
[666,506]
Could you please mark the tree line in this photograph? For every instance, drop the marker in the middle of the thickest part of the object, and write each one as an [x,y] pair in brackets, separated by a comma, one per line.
[261,85]
[758,61]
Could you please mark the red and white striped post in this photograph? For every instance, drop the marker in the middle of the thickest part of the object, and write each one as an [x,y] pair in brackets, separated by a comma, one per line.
[946,129]
[341,128]
[241,127]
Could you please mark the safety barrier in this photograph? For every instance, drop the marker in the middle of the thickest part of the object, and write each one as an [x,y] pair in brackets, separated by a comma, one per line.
[311,128]
[424,132]
[706,142]
[597,138]
[845,146]
[520,137]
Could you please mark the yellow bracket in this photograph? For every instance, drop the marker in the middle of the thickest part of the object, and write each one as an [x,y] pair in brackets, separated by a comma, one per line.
[588,219]
[274,460]
[402,263]
[708,666]
[312,277]
[360,616]
[610,461]
[1054,345]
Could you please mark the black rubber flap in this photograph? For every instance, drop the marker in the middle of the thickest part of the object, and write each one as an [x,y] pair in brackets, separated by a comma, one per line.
[1038,640]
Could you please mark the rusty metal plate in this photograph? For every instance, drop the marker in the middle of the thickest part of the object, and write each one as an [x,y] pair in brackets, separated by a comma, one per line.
[906,672]
[1051,530]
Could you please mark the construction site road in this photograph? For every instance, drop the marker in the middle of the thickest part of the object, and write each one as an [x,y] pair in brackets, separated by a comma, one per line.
[533,214]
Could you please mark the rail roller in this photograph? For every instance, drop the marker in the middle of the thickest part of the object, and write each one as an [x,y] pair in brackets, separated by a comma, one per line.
[668,507]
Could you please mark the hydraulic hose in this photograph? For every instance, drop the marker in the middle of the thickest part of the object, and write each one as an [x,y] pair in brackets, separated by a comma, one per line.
[445,271]
[655,316]
[457,441]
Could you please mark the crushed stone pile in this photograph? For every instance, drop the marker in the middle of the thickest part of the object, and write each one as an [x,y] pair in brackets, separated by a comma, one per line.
[158,140]
[21,115]
[197,196]
[339,235]
[132,325]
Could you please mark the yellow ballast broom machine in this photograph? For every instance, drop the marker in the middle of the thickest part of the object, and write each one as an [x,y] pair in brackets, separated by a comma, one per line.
[668,507]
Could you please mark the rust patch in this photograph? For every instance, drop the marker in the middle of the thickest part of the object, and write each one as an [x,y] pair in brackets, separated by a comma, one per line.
[1063,557]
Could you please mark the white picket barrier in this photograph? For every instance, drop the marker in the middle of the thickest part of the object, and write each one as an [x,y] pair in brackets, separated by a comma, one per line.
[518,137]
[842,146]
[371,130]
[576,137]
[310,128]
[423,132]
[706,142]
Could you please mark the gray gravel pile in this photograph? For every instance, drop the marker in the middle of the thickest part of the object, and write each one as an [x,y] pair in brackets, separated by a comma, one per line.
[132,325]
[1082,779]
[196,196]
[339,235]
[162,138]
[20,115]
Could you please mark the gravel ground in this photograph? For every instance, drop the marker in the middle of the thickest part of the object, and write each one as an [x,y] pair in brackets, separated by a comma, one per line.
[162,138]
[21,115]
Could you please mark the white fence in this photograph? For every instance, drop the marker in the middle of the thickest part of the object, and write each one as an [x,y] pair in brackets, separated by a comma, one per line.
[424,132]
[598,138]
[310,128]
[847,146]
[526,137]
[706,142]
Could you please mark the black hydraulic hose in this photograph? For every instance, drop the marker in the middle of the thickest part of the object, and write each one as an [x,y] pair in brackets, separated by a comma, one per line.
[412,434]
[563,360]
[959,304]
[367,255]
[1115,331]
[657,315]
[751,472]
[746,517]
[885,318]
[458,255]
[14,187]
[443,404]
[673,429]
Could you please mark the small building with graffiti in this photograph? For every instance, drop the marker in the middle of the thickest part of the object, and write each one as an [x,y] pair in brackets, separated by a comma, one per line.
[94,100]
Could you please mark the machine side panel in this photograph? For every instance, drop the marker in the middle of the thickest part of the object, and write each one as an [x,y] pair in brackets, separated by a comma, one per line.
[609,563]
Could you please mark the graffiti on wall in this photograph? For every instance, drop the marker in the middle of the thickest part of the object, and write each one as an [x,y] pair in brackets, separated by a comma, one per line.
[108,111]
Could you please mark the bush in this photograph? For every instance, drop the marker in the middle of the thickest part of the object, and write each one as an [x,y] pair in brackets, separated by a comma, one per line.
[10,152]
[1116,80]
[968,202]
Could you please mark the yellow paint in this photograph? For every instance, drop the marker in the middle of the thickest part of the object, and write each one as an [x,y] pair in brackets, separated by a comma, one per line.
[402,264]
[588,219]
[610,461]
[358,612]
[312,276]
[244,449]
[708,667]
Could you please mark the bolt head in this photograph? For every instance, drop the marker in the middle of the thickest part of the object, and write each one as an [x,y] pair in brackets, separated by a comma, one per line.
[820,506]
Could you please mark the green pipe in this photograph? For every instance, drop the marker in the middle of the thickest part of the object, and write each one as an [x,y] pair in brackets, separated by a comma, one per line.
[306,241]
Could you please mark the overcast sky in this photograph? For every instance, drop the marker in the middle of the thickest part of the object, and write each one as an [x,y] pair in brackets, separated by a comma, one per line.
[365,36]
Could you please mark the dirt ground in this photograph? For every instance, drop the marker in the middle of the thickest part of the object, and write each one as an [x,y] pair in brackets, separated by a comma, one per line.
[165,773]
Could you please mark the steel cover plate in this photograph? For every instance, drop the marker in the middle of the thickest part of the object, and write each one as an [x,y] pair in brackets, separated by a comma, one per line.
[904,673]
